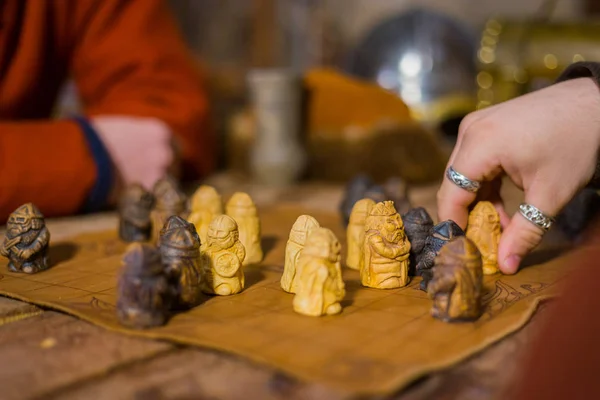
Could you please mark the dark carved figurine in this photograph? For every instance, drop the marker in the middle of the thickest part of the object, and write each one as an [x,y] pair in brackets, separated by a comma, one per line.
[441,234]
[417,225]
[457,284]
[396,190]
[26,241]
[355,191]
[168,200]
[134,214]
[180,251]
[144,292]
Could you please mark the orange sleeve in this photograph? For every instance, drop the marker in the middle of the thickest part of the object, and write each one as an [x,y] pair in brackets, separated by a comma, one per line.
[33,167]
[130,60]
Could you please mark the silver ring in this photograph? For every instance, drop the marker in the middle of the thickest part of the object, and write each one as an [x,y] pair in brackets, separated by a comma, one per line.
[536,217]
[462,181]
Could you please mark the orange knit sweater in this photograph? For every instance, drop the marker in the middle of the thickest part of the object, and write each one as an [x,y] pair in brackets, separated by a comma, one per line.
[126,58]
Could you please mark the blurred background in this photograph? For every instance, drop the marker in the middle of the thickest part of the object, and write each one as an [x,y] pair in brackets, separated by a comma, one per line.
[327,88]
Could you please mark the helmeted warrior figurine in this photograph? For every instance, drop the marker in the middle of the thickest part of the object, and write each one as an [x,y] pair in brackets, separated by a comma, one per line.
[457,284]
[26,241]
[484,230]
[168,200]
[320,286]
[386,249]
[355,233]
[145,294]
[206,205]
[417,225]
[221,261]
[440,235]
[180,251]
[293,249]
[242,209]
[135,205]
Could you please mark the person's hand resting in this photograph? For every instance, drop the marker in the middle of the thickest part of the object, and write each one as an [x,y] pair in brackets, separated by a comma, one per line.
[141,149]
[546,142]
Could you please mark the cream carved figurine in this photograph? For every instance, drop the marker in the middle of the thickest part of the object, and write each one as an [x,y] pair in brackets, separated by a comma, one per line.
[484,230]
[457,284]
[206,204]
[242,209]
[300,230]
[355,233]
[386,249]
[320,286]
[222,258]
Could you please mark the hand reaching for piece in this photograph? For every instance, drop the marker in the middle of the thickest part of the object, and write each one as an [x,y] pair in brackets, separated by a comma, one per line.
[546,142]
[140,148]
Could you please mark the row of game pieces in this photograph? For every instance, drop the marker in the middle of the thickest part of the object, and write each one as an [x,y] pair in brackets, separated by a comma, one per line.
[382,246]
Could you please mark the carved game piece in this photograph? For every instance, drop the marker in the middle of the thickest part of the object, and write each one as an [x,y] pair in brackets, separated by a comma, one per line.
[135,205]
[320,284]
[355,190]
[441,234]
[396,190]
[417,225]
[355,233]
[457,284]
[206,205]
[242,209]
[180,252]
[484,230]
[221,261]
[168,200]
[386,249]
[145,294]
[300,230]
[26,241]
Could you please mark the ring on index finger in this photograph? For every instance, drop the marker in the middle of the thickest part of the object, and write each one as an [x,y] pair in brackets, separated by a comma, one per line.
[462,181]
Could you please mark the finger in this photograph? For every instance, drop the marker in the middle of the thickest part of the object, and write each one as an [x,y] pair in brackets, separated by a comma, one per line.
[521,236]
[477,161]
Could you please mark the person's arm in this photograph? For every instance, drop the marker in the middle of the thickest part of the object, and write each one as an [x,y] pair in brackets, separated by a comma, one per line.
[129,61]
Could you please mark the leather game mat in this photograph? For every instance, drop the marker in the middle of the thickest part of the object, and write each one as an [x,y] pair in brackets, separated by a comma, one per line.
[382,340]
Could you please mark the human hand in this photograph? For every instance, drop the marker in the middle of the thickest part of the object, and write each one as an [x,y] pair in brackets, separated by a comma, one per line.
[141,148]
[546,142]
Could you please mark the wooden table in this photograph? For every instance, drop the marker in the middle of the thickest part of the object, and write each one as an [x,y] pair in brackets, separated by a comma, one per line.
[49,355]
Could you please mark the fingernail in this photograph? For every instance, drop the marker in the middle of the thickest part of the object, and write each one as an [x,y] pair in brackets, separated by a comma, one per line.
[511,263]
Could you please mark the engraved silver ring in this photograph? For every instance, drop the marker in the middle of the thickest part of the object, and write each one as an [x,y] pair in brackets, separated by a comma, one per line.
[536,217]
[462,181]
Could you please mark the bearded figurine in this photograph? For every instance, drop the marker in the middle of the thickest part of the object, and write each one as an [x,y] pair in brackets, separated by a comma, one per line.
[134,214]
[355,233]
[386,249]
[180,251]
[206,205]
[457,284]
[417,225]
[440,234]
[169,200]
[221,261]
[242,209]
[484,230]
[320,286]
[26,241]
[293,249]
[145,294]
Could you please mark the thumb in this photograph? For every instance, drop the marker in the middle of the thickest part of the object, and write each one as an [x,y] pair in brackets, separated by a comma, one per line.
[522,236]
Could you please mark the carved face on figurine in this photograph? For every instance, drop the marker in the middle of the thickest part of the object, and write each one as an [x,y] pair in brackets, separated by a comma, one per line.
[322,243]
[384,218]
[135,204]
[207,197]
[23,220]
[222,232]
[302,228]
